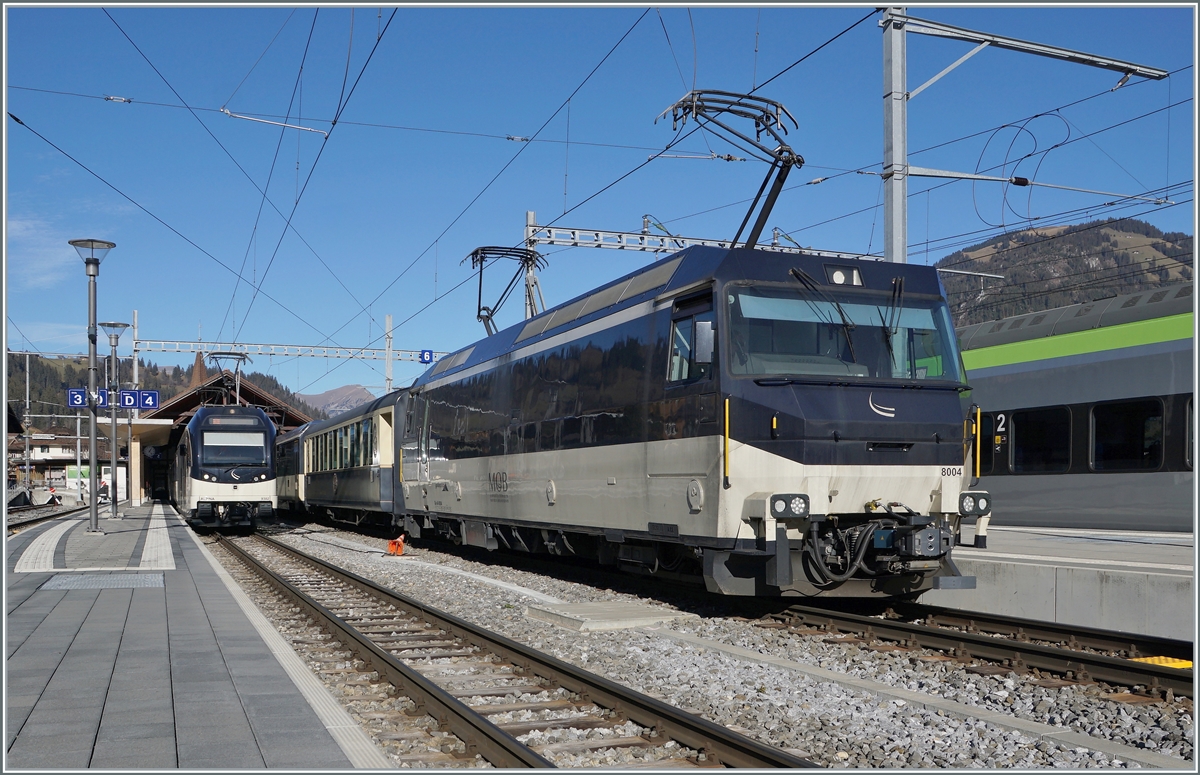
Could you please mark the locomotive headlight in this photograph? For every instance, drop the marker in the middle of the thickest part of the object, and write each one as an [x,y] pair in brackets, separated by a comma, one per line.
[789,505]
[976,503]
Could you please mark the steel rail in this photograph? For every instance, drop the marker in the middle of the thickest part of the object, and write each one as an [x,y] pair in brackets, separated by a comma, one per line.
[718,743]
[1018,655]
[1075,636]
[21,524]
[477,733]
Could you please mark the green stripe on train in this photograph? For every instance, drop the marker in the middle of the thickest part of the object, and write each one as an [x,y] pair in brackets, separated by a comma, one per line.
[1093,340]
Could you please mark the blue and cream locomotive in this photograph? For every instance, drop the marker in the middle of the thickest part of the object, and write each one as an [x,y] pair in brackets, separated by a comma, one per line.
[772,424]
[223,472]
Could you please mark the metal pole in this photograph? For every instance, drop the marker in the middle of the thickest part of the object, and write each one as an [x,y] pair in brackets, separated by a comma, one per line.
[136,380]
[78,459]
[93,269]
[114,390]
[895,141]
[28,432]
[388,355]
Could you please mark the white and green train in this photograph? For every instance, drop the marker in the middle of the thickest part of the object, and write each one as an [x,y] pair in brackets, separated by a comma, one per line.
[1087,415]
[772,424]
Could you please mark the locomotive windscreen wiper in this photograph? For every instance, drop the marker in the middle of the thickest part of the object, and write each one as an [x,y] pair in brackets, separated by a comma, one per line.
[891,324]
[805,279]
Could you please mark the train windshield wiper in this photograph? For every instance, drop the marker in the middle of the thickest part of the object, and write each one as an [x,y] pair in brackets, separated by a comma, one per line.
[891,324]
[805,279]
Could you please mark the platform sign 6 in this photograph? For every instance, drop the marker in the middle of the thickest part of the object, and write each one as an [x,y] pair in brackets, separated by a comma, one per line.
[147,399]
[129,399]
[103,400]
[426,356]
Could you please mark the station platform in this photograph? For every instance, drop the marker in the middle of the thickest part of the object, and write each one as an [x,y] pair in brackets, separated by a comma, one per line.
[133,648]
[1137,582]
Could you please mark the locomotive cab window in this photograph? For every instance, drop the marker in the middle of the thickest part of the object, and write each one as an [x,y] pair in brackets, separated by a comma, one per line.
[1127,436]
[234,448]
[792,330]
[1041,440]
[691,345]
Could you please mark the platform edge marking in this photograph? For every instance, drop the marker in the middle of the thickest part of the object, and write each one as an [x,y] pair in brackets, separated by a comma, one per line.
[354,742]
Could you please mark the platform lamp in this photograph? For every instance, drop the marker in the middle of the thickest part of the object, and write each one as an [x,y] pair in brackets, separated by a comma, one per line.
[92,251]
[114,331]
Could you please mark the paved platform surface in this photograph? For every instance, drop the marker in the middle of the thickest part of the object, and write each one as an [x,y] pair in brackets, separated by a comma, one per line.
[127,650]
[1113,579]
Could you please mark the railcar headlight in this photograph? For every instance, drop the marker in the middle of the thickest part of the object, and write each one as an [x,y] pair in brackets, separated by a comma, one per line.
[975,504]
[205,476]
[789,505]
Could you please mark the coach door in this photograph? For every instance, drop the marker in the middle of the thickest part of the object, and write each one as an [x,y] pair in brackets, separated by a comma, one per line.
[414,449]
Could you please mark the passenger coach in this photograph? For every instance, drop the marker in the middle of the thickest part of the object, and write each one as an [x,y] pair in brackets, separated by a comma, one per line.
[1088,412]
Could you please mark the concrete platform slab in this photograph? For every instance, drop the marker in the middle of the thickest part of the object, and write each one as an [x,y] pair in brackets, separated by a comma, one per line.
[1129,581]
[135,650]
[595,617]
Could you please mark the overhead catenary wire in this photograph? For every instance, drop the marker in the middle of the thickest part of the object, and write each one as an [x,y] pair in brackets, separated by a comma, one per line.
[312,169]
[154,216]
[507,164]
[242,169]
[270,176]
[260,57]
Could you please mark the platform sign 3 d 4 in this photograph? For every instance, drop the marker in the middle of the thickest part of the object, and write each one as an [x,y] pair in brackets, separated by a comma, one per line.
[77,398]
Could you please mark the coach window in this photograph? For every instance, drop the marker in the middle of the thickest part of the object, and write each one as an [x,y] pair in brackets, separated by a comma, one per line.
[1041,440]
[1190,435]
[1128,436]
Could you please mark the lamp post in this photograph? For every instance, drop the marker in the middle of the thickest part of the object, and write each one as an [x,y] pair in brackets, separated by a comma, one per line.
[92,251]
[114,331]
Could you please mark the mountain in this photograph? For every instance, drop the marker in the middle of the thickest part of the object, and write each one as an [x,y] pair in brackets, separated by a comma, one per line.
[1055,266]
[339,399]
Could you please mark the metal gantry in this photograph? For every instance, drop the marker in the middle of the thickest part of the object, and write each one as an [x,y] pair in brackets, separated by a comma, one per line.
[896,170]
[644,241]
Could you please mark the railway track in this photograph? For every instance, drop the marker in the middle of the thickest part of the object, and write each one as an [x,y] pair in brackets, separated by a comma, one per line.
[21,517]
[462,676]
[1156,668]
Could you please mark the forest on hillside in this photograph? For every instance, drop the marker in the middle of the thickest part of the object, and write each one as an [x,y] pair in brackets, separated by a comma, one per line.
[1049,267]
[51,377]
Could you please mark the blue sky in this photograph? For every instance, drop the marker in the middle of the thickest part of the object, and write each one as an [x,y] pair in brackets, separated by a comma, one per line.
[418,171]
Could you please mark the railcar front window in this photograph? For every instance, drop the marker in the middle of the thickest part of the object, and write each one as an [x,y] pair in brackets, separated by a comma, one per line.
[778,331]
[228,449]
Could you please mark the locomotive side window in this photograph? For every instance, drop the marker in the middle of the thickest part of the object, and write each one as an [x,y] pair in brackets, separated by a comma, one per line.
[691,348]
[1127,436]
[1041,440]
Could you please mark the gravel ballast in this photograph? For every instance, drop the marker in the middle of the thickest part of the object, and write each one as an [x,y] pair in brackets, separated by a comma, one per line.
[835,725]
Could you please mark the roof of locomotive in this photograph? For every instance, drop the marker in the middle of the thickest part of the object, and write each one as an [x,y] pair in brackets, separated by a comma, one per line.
[692,267]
